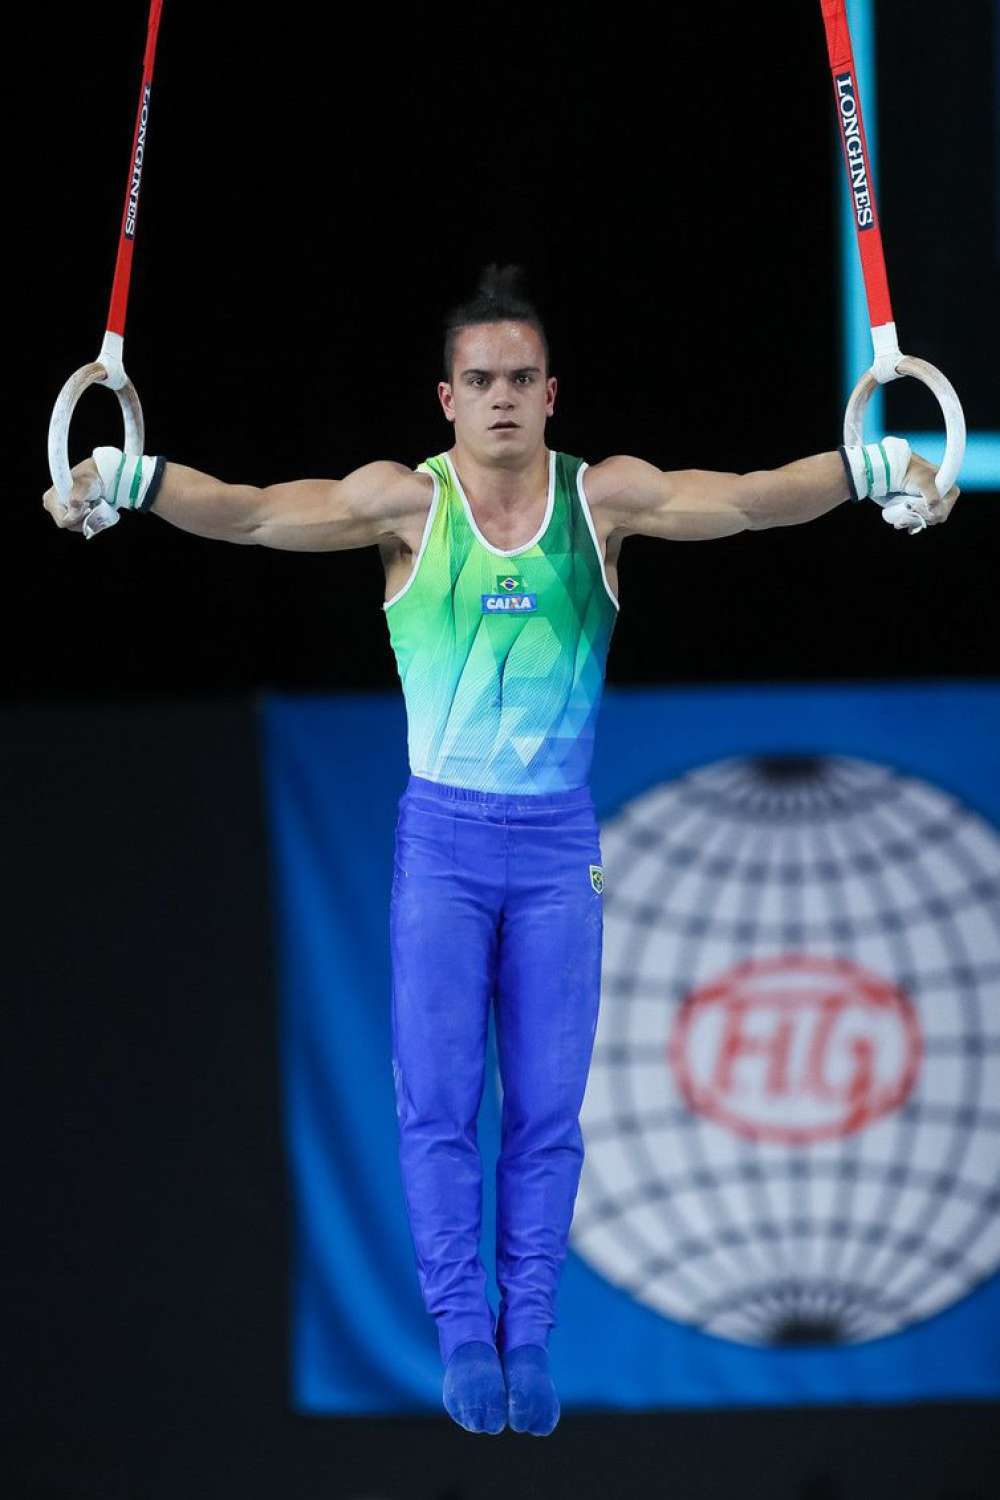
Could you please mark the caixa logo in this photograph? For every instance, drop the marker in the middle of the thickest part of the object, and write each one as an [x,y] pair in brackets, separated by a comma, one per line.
[509,604]
[795,1049]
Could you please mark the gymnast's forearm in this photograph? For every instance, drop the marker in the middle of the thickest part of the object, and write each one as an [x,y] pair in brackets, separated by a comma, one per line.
[207,507]
[797,492]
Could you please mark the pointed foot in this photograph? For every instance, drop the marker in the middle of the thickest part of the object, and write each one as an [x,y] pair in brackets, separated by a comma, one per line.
[474,1393]
[532,1403]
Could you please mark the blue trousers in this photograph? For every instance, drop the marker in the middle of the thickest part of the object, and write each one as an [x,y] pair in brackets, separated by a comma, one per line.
[493,902]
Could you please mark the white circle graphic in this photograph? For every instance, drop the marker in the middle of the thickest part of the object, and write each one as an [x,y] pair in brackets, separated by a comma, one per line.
[792,1119]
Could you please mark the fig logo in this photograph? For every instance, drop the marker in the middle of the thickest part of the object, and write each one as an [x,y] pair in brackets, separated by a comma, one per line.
[796,1049]
[790,1122]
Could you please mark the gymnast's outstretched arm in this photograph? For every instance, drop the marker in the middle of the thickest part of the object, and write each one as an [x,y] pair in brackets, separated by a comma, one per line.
[306,515]
[634,497]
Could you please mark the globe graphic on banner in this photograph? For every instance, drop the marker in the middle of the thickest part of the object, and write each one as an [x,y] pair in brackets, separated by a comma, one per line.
[792,1119]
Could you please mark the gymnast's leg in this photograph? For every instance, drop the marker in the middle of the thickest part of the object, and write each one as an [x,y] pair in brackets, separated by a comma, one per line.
[443,922]
[549,974]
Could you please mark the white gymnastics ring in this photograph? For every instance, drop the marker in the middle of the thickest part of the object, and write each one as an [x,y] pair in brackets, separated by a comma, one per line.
[62,415]
[951,407]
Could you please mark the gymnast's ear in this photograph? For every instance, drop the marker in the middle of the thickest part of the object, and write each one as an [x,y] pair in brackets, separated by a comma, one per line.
[447,399]
[551,387]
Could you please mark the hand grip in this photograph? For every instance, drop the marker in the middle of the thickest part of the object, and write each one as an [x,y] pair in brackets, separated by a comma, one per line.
[951,407]
[62,416]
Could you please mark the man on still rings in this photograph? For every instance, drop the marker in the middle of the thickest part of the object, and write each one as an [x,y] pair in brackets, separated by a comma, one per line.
[501,594]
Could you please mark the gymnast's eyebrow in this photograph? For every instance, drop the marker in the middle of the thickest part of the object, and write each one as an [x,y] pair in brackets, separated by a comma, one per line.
[522,370]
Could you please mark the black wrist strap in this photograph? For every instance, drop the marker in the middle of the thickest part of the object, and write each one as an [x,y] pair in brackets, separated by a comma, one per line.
[851,486]
[154,484]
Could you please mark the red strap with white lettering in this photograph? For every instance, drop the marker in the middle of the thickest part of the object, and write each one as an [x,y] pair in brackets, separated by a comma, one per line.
[855,144]
[126,238]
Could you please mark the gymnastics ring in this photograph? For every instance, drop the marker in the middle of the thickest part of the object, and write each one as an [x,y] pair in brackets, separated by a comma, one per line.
[947,399]
[107,370]
[889,363]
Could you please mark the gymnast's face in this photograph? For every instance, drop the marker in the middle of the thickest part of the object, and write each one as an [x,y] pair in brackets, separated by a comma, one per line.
[500,393]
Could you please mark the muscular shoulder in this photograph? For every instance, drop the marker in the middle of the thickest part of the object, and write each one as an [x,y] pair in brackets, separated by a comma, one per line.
[618,487]
[390,489]
[394,496]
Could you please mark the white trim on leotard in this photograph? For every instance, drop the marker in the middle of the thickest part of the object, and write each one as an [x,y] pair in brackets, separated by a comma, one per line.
[590,526]
[510,551]
[388,603]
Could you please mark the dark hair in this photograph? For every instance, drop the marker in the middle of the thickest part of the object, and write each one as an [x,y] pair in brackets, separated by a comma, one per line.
[499,298]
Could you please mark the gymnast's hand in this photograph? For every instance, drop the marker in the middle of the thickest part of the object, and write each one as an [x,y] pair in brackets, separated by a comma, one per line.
[910,503]
[86,491]
[920,481]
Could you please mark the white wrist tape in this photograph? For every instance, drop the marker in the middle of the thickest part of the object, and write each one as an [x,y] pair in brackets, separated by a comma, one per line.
[125,479]
[879,469]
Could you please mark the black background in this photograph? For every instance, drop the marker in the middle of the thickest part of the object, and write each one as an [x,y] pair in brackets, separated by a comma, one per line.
[319,186]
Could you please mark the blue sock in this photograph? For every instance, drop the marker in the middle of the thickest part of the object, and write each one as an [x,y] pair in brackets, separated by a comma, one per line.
[532,1403]
[474,1394]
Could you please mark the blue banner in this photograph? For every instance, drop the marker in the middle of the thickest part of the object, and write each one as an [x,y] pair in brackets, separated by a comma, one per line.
[792,1185]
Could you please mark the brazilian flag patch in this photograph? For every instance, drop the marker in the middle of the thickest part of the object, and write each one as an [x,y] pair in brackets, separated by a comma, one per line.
[597,878]
[509,583]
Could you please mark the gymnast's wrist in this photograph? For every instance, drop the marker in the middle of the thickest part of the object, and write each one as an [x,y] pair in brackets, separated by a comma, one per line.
[128,481]
[876,470]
